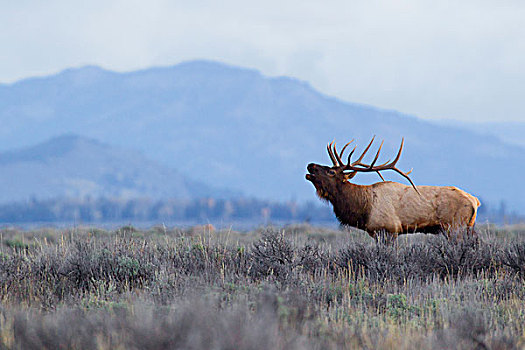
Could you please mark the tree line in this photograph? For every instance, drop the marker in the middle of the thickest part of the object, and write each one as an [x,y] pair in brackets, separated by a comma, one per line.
[142,209]
[193,210]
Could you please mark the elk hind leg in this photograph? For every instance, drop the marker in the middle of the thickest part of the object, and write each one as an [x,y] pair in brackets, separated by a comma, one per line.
[472,222]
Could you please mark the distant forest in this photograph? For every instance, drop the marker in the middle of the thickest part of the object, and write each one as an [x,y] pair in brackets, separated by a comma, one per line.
[107,210]
[198,210]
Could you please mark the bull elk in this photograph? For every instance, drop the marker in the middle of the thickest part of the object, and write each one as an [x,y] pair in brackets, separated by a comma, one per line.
[387,206]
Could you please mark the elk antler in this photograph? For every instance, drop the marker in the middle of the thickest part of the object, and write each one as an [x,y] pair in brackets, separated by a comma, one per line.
[332,152]
[359,166]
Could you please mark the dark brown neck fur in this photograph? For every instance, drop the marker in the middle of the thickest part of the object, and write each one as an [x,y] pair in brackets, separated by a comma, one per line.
[352,205]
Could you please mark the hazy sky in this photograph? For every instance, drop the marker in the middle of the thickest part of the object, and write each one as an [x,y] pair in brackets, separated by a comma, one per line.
[435,59]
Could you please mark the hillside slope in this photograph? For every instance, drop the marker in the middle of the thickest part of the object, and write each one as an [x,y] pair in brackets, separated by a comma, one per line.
[233,127]
[73,166]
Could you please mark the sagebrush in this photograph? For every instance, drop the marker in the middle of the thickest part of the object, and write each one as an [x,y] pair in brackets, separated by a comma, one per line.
[295,287]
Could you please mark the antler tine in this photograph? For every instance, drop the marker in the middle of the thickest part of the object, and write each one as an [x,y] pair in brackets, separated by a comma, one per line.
[377,155]
[399,152]
[364,152]
[385,163]
[332,157]
[350,155]
[343,150]
[337,156]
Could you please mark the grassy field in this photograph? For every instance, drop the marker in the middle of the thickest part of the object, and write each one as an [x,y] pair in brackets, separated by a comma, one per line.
[296,287]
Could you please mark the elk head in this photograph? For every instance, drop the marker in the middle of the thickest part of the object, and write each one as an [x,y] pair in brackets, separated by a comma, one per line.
[328,181]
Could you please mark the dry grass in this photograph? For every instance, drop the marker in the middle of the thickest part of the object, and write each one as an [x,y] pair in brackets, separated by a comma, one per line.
[297,287]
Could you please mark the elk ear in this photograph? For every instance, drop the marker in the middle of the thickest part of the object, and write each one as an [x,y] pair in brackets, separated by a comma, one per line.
[350,175]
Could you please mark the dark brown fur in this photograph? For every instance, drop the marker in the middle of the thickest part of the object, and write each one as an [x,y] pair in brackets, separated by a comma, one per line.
[351,206]
[350,202]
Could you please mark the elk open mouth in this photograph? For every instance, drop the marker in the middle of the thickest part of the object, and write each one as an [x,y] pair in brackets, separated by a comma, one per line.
[311,169]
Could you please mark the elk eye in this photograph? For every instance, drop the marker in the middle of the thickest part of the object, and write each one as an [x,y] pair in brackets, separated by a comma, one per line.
[331,172]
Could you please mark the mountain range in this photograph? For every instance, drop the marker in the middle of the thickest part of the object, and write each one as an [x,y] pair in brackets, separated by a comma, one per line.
[509,132]
[231,127]
[79,167]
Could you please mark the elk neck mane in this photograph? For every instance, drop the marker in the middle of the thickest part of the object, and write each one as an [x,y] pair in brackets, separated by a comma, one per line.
[352,204]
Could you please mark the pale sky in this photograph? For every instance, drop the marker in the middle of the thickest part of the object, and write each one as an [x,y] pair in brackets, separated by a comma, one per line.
[461,60]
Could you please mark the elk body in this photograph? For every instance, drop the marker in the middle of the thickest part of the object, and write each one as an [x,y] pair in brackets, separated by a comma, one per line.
[389,206]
